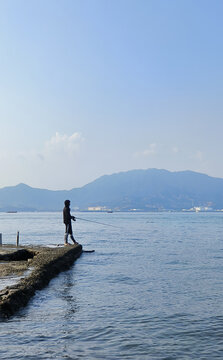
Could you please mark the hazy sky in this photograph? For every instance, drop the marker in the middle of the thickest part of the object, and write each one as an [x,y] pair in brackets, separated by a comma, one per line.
[93,87]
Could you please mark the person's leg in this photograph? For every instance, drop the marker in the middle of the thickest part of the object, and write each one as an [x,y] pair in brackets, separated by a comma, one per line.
[66,235]
[70,232]
[72,238]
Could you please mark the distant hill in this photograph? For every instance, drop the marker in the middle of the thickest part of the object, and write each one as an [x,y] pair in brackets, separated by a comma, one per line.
[147,190]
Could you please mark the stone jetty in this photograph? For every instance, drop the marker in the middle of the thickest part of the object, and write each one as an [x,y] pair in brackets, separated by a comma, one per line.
[34,267]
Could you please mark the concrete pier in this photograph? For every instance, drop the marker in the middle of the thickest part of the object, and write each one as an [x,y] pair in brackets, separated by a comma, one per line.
[41,264]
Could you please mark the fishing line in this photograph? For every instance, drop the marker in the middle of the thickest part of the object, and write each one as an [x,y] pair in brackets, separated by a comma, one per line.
[100,223]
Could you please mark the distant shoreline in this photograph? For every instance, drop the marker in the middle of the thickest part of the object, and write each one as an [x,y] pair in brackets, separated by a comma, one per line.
[115,211]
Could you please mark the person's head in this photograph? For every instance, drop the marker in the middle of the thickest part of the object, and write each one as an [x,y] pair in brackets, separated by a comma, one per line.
[67,203]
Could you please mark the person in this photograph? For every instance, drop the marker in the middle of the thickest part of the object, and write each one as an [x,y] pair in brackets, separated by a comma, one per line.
[67,217]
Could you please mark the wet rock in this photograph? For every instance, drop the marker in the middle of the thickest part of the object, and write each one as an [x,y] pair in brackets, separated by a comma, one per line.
[46,264]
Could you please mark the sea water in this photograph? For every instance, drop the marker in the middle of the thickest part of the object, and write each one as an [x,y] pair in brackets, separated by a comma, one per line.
[152,289]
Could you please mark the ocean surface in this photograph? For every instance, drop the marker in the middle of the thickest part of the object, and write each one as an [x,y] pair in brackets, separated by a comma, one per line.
[153,289]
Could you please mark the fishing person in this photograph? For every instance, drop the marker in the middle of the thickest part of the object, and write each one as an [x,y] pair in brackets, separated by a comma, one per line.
[67,217]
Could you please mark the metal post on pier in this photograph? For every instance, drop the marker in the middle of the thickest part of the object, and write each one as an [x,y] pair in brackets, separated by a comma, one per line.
[17,239]
[0,239]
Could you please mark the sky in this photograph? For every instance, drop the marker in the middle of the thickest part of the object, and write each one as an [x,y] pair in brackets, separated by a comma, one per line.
[95,87]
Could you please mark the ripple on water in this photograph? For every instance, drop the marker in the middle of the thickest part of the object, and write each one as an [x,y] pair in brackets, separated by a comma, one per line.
[153,292]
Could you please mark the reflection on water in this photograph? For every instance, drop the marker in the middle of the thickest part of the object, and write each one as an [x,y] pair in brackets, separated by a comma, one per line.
[150,291]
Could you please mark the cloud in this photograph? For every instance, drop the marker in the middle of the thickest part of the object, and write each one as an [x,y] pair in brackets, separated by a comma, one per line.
[59,161]
[151,150]
[199,155]
[57,147]
[175,149]
[53,166]
[63,145]
[40,157]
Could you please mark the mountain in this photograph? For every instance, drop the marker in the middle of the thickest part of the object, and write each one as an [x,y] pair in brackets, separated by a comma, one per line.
[148,190]
[25,198]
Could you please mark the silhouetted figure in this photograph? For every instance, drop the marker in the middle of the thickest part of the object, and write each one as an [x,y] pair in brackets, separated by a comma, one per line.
[67,217]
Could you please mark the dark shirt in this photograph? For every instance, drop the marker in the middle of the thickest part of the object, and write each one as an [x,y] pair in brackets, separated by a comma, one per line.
[66,215]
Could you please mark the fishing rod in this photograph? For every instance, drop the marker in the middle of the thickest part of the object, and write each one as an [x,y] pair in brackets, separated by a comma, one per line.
[96,222]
